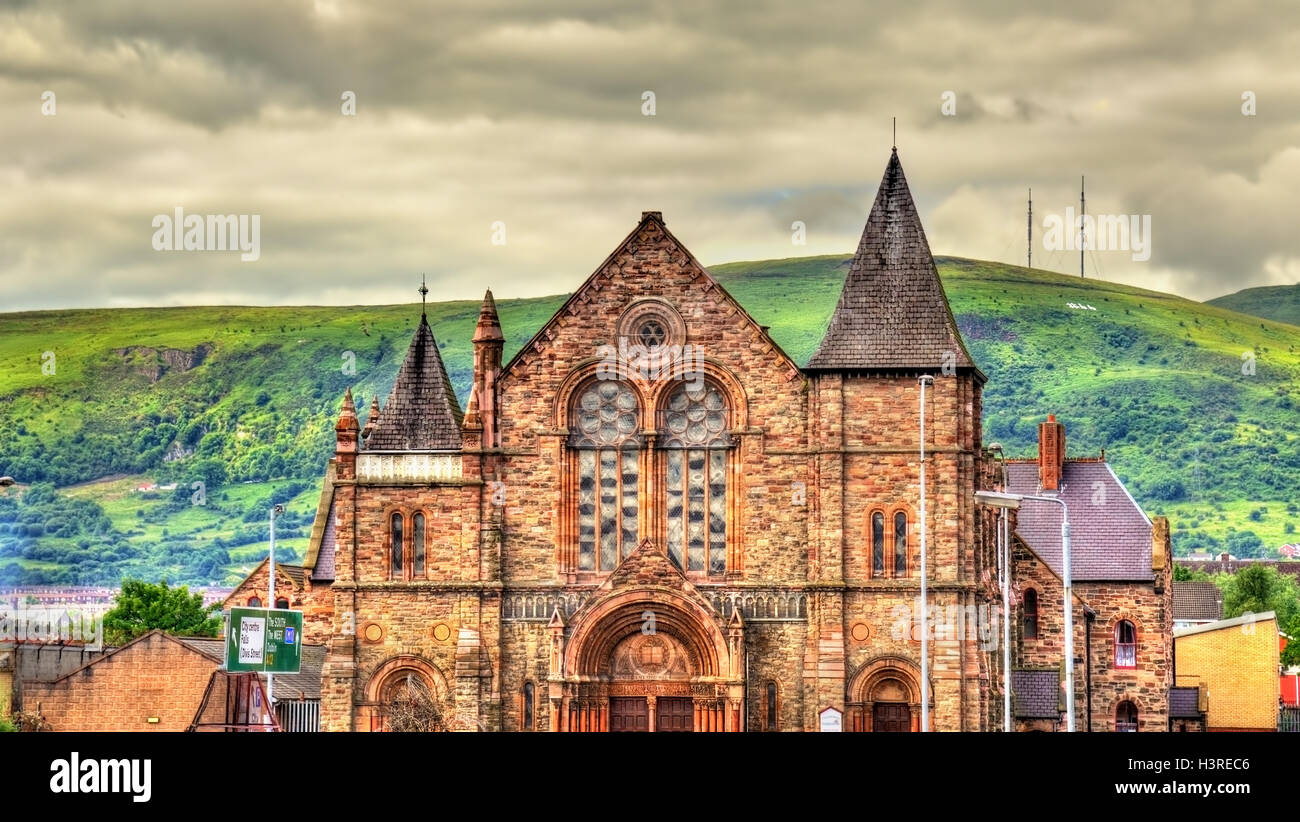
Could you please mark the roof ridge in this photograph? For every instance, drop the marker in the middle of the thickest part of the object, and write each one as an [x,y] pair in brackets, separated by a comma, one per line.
[892,311]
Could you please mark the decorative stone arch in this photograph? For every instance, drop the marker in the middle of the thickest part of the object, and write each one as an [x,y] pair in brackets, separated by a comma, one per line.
[1112,624]
[608,621]
[390,675]
[885,679]
[717,373]
[613,651]
[577,379]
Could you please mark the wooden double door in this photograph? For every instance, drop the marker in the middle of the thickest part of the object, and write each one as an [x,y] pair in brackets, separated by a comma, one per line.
[891,717]
[632,714]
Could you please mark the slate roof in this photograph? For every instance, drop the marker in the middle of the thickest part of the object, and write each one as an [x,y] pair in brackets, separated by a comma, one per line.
[1197,601]
[893,312]
[422,413]
[1183,703]
[323,571]
[1036,694]
[1110,536]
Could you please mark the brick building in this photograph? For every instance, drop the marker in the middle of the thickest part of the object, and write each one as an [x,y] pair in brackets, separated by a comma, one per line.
[1122,594]
[651,518]
[1235,663]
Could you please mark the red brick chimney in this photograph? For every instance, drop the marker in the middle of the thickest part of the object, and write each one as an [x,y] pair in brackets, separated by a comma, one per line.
[1051,453]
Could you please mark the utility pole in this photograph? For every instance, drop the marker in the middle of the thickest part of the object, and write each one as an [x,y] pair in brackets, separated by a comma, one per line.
[925,625]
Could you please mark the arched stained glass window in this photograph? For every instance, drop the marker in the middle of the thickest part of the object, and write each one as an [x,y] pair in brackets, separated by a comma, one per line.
[417,545]
[395,545]
[696,419]
[529,706]
[877,544]
[900,544]
[604,432]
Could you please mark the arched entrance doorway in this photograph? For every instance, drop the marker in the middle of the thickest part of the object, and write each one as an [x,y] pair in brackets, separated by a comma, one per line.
[884,697]
[650,661]
[407,694]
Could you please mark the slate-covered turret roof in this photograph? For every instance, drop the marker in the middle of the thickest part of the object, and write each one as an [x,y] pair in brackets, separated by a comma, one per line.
[892,313]
[422,413]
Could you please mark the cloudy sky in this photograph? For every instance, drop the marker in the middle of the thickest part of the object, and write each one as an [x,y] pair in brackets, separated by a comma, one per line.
[531,114]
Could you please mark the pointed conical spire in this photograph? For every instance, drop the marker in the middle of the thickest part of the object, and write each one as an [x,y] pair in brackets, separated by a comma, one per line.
[489,326]
[892,312]
[422,413]
[348,415]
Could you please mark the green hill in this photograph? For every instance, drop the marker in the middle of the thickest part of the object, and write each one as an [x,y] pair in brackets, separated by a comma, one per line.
[1272,302]
[1194,404]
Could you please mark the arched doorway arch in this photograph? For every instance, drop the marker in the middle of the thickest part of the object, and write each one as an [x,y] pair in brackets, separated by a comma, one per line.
[885,696]
[408,693]
[650,660]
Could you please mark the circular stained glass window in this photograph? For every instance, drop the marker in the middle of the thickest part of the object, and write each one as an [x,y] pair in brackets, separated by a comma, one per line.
[652,333]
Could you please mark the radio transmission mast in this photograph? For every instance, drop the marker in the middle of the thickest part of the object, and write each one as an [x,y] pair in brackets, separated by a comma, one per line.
[1029,233]
[1083,235]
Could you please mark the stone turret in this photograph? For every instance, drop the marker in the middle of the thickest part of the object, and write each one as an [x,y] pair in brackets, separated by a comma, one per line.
[488,345]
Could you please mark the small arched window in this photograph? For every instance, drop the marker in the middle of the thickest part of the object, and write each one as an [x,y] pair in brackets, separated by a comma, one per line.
[529,696]
[1125,644]
[281,602]
[254,602]
[417,545]
[1126,717]
[1029,614]
[395,545]
[770,706]
[900,544]
[877,544]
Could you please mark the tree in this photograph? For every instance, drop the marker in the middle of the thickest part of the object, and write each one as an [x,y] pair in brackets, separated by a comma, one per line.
[143,606]
[1291,653]
[1184,574]
[1258,588]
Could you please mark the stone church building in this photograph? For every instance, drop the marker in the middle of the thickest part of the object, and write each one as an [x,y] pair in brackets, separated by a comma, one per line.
[652,519]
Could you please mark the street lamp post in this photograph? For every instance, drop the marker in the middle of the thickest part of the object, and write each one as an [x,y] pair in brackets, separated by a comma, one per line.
[925,642]
[270,567]
[1004,501]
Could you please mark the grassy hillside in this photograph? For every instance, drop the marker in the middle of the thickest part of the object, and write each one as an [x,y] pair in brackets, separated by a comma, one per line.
[1274,302]
[243,399]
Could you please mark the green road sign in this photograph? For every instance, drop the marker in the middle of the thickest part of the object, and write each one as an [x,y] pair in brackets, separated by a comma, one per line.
[267,640]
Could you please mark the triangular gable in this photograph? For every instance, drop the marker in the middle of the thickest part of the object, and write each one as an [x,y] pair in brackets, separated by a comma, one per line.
[651,230]
[145,637]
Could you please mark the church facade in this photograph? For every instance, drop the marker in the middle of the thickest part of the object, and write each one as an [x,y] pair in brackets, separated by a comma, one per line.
[652,519]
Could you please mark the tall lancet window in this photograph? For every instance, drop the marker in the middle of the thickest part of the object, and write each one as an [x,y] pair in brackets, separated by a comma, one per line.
[696,445]
[604,435]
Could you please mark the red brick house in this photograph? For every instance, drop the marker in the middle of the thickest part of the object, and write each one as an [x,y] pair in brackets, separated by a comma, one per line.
[651,518]
[1122,593]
